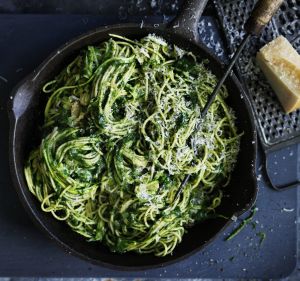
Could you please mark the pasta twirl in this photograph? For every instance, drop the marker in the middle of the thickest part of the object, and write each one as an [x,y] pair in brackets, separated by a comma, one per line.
[122,128]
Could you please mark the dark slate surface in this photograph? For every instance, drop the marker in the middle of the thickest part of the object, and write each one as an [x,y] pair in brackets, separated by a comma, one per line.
[25,41]
[122,8]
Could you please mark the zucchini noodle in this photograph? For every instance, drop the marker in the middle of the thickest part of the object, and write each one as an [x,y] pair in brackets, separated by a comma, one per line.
[122,128]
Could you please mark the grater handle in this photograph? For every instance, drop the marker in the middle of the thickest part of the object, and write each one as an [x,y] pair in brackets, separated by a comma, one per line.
[284,186]
[261,15]
[279,187]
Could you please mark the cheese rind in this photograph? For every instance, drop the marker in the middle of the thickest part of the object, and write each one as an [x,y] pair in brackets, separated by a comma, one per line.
[280,63]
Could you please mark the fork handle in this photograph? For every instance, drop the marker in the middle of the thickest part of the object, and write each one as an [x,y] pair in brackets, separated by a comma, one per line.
[261,15]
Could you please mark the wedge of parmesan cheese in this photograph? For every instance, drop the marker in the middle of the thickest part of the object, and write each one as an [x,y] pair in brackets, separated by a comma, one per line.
[280,63]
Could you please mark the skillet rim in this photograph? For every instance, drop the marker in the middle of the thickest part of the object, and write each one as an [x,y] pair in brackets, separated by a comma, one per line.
[13,120]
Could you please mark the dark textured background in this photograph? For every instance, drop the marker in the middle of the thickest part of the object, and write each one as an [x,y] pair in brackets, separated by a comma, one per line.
[277,254]
[100,7]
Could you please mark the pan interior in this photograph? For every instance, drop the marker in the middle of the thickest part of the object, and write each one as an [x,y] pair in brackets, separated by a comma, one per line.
[239,195]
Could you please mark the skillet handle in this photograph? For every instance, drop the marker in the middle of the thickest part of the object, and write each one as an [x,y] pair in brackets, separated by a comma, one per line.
[21,99]
[186,23]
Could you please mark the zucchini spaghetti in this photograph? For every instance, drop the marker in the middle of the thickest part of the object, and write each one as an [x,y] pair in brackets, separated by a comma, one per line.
[122,128]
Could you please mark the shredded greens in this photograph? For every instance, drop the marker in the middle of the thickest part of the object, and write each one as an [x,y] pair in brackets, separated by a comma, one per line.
[262,236]
[246,221]
[118,138]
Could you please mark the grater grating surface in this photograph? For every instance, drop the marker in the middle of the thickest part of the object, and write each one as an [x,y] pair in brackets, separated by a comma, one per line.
[276,129]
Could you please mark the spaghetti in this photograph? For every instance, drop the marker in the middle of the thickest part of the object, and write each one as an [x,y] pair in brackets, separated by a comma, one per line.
[122,128]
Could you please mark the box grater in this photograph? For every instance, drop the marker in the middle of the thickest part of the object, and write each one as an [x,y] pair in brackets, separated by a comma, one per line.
[275,128]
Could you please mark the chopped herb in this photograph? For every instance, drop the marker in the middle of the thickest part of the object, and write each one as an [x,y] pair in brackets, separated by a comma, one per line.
[262,237]
[242,225]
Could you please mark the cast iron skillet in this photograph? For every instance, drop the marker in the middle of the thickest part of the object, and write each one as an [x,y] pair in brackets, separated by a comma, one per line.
[25,116]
